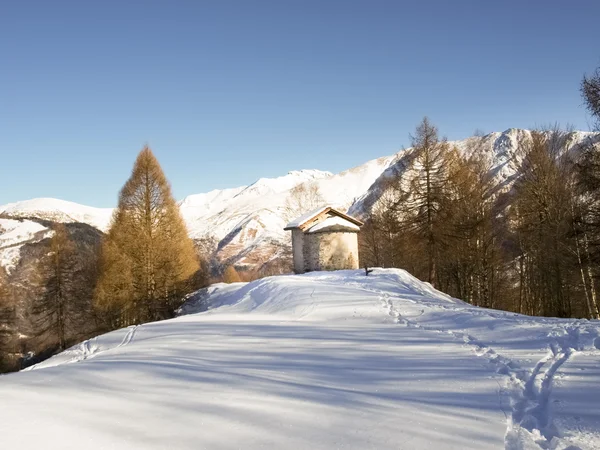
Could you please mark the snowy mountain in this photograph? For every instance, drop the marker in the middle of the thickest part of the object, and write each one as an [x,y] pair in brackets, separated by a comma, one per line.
[61,211]
[321,361]
[247,222]
[13,235]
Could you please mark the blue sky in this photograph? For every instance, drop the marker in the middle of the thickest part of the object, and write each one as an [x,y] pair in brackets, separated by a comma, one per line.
[226,92]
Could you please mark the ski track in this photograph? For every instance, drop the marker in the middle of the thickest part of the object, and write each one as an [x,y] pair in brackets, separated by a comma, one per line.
[528,391]
[129,336]
[89,349]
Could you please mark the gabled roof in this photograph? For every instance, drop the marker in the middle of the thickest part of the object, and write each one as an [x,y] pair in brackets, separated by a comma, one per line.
[333,223]
[304,220]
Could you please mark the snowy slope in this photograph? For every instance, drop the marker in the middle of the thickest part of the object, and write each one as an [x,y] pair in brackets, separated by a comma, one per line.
[13,235]
[251,219]
[499,150]
[319,361]
[58,211]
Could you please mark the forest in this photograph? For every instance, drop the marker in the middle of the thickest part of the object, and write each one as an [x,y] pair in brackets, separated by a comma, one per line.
[532,248]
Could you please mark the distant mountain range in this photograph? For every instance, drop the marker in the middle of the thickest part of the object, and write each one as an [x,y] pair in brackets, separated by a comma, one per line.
[247,222]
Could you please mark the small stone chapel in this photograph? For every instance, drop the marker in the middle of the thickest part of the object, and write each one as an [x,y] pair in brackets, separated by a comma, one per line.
[324,239]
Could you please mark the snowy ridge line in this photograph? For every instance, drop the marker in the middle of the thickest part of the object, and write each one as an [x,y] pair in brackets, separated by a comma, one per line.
[529,392]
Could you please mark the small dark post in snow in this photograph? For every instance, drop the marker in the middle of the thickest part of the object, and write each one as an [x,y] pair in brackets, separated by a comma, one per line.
[367,271]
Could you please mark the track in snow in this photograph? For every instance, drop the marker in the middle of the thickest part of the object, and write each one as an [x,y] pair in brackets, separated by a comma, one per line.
[529,392]
[129,336]
[90,349]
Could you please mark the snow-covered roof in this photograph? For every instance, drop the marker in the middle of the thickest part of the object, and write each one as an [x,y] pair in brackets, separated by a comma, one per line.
[334,223]
[305,218]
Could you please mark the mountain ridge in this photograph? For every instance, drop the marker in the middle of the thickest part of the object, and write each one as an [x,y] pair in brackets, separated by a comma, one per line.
[247,221]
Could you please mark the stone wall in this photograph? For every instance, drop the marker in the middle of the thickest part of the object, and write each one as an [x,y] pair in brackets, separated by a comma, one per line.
[298,249]
[330,251]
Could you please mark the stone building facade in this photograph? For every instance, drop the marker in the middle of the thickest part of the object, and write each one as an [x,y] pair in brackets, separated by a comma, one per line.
[324,239]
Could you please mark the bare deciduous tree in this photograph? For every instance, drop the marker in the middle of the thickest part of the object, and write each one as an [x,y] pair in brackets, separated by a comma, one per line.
[303,198]
[590,90]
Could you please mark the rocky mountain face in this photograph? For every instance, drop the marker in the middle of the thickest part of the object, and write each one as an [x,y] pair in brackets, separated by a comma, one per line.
[244,225]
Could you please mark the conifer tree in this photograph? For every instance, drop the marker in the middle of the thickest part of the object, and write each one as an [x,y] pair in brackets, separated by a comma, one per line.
[587,222]
[231,275]
[7,331]
[471,256]
[427,191]
[147,257]
[58,301]
[541,209]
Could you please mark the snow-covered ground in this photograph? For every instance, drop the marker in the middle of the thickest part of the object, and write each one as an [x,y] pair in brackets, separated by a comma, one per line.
[319,361]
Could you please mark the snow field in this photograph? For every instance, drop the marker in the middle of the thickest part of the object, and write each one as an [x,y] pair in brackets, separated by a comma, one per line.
[322,360]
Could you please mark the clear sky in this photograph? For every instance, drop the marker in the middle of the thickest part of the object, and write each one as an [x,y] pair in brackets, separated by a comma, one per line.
[226,92]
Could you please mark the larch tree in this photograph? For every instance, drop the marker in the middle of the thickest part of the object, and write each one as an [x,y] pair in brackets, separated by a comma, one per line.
[7,329]
[58,302]
[587,222]
[427,191]
[542,217]
[471,257]
[230,275]
[147,260]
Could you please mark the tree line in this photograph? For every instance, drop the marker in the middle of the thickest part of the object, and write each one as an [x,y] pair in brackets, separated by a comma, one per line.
[532,249]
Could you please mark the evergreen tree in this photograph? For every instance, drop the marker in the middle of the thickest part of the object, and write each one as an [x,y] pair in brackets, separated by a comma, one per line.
[147,259]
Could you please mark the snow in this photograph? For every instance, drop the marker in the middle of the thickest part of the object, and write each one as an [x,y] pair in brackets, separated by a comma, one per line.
[15,233]
[59,211]
[233,214]
[305,217]
[335,222]
[322,360]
